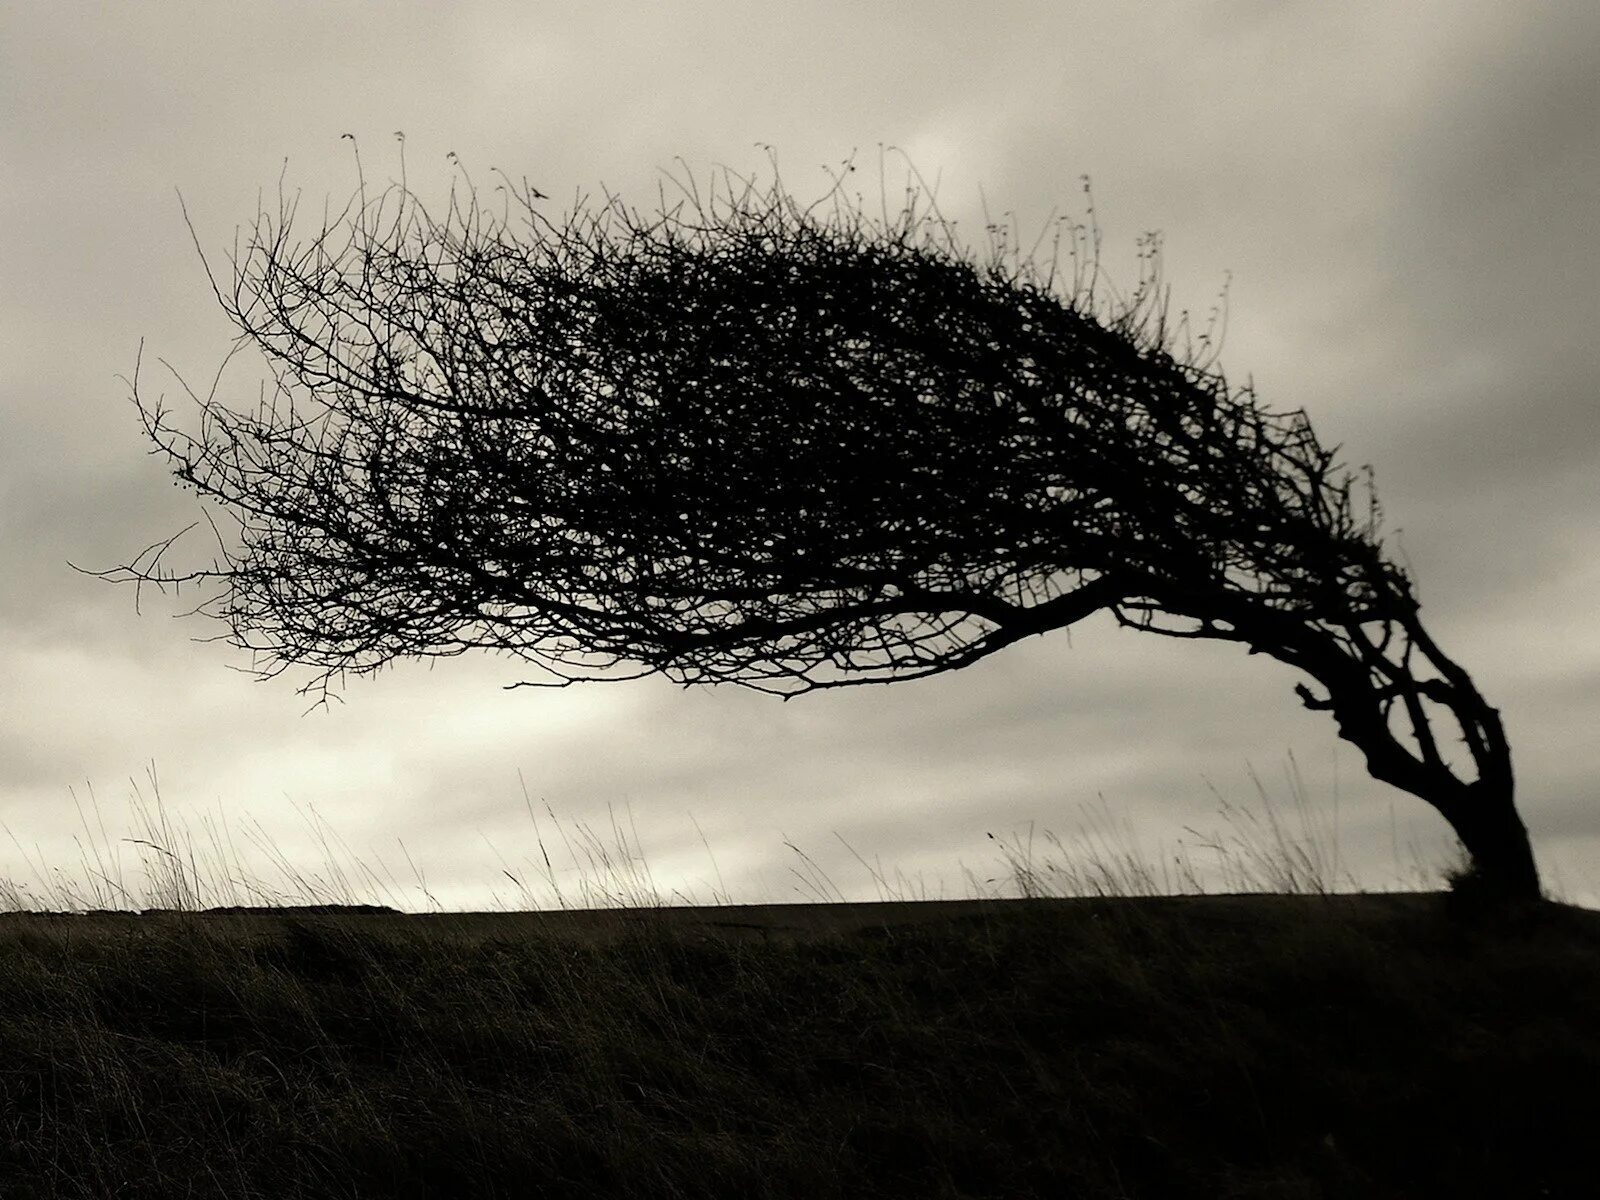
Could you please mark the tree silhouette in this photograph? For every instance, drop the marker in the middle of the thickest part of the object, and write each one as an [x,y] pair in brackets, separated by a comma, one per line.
[741,440]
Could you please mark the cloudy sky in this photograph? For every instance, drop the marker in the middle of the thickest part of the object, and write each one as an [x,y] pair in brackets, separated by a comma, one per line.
[1405,196]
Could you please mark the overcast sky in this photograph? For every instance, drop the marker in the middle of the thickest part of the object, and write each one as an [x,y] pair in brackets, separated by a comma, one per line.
[1405,196]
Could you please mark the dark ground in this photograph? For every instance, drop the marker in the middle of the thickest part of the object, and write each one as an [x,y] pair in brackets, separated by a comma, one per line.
[1249,1046]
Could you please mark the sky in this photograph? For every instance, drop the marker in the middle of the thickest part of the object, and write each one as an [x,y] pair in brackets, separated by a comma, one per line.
[1403,197]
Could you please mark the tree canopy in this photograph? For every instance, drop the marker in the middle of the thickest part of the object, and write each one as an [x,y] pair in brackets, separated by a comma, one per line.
[741,439]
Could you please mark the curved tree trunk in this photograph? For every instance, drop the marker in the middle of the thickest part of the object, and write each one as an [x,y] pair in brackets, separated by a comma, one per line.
[1482,814]
[1386,682]
[1502,865]
[1368,680]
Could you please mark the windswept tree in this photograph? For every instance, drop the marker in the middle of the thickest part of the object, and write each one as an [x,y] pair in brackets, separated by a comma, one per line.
[742,440]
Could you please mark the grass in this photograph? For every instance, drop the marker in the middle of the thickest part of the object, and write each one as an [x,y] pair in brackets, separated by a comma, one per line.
[1272,848]
[1093,1038]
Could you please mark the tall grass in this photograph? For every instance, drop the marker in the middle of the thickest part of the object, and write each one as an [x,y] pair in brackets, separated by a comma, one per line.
[1268,848]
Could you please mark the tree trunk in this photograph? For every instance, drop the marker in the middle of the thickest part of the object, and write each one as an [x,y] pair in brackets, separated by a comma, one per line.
[1501,871]
[1501,867]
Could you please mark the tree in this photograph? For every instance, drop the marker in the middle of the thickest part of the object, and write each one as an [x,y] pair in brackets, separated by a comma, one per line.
[743,441]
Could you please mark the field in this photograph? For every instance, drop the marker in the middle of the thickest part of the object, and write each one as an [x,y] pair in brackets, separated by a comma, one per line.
[1104,1045]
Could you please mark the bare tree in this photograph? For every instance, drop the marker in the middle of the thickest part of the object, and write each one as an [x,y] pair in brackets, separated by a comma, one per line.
[740,440]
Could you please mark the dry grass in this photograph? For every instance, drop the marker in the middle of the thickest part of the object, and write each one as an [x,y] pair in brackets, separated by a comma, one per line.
[1274,847]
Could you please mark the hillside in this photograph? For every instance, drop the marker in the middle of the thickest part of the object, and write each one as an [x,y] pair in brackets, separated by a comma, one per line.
[1198,1046]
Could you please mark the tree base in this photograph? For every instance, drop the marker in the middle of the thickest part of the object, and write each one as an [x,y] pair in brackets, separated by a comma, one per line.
[1477,895]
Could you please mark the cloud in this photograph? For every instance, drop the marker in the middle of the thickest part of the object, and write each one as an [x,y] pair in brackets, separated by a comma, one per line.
[1403,195]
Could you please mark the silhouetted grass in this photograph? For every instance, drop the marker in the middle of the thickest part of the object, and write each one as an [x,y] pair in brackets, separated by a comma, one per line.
[1117,1045]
